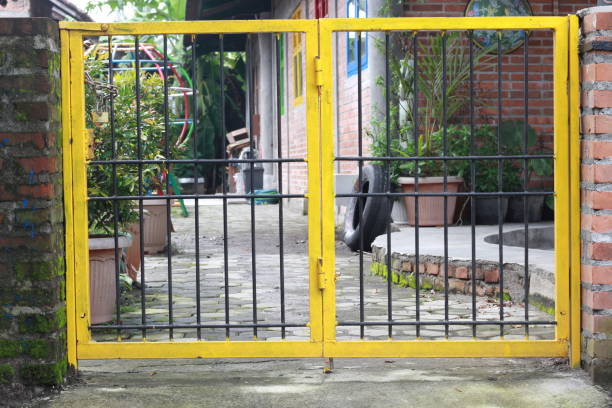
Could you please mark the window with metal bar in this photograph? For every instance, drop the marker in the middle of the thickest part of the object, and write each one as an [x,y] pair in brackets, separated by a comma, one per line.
[280,44]
[296,61]
[356,9]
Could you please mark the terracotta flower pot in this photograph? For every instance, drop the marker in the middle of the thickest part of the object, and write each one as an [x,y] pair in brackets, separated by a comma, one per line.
[132,254]
[102,288]
[431,209]
[155,226]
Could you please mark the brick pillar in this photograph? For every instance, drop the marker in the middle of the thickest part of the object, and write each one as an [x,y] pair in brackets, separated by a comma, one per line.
[596,193]
[32,285]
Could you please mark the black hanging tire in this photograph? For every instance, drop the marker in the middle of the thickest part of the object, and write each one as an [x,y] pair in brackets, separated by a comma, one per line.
[363,229]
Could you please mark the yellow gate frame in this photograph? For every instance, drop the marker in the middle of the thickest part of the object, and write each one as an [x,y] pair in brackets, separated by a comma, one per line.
[80,343]
[320,160]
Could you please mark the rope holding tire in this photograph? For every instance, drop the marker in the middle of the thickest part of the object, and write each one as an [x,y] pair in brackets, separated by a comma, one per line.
[376,210]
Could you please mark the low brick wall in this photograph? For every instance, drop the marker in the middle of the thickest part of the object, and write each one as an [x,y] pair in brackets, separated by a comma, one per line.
[32,285]
[431,276]
[596,186]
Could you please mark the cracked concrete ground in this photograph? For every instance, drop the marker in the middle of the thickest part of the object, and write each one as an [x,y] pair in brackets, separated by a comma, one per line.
[438,383]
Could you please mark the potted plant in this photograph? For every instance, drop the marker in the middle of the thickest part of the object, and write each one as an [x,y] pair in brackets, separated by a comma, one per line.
[440,103]
[487,175]
[108,218]
[513,133]
[431,176]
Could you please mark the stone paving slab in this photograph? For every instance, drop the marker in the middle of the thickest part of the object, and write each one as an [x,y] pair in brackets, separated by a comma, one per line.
[240,288]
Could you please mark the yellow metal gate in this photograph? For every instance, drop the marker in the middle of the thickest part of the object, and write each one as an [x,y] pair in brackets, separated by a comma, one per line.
[319,85]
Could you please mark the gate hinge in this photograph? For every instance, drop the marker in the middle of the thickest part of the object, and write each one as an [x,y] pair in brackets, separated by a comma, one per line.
[321,274]
[318,72]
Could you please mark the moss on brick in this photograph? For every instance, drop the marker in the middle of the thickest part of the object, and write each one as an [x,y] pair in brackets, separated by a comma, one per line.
[44,374]
[34,323]
[20,116]
[400,279]
[38,348]
[5,321]
[62,290]
[38,296]
[546,309]
[6,373]
[9,348]
[426,284]
[38,271]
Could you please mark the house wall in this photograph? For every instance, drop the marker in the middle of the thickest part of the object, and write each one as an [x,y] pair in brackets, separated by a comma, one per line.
[347,89]
[293,124]
[540,93]
[346,138]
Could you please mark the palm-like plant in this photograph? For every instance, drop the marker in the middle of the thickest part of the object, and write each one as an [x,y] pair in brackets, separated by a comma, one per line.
[439,86]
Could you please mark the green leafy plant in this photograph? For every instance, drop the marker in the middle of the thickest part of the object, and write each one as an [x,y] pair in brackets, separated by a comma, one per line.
[457,145]
[437,97]
[513,133]
[210,130]
[430,80]
[101,180]
[487,170]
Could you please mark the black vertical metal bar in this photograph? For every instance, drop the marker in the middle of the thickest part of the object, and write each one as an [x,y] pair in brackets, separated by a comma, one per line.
[196,207]
[388,171]
[224,182]
[252,189]
[445,179]
[168,209]
[281,248]
[526,180]
[472,182]
[415,129]
[361,199]
[500,181]
[140,188]
[115,204]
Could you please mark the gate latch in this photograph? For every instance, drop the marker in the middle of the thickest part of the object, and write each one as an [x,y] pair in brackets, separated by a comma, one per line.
[321,274]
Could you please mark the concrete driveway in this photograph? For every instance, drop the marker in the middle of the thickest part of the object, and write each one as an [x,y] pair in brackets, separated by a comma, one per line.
[438,383]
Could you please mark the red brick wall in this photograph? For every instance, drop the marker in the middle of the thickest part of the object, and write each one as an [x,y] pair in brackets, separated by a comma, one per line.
[32,267]
[450,8]
[596,219]
[540,69]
